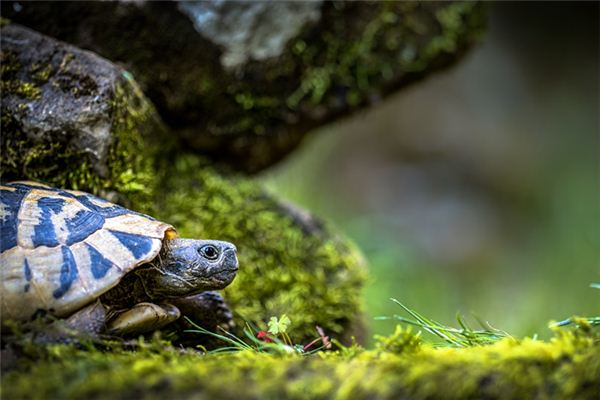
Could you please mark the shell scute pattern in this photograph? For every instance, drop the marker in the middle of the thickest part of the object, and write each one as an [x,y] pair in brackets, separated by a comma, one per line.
[9,202]
[61,249]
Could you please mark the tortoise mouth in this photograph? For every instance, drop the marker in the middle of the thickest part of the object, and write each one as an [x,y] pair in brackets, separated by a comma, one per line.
[223,273]
[222,278]
[216,281]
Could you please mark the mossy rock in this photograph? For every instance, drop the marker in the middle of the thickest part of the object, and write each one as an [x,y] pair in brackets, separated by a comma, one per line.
[290,262]
[329,60]
[567,367]
[73,119]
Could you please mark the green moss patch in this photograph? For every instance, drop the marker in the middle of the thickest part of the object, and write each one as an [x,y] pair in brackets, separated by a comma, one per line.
[566,367]
[140,141]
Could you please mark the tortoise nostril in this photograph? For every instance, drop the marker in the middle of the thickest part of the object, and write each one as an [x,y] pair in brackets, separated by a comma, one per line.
[228,247]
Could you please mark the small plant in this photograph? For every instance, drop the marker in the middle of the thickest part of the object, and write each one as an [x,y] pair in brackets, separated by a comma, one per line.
[463,337]
[400,342]
[275,340]
[279,326]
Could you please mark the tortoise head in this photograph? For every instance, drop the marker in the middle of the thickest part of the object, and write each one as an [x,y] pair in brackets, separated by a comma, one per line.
[186,267]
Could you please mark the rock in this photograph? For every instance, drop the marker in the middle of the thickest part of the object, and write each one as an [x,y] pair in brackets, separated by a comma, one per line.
[243,82]
[291,262]
[82,120]
[72,118]
[250,31]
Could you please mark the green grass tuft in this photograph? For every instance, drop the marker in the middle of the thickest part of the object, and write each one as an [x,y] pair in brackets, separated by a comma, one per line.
[465,336]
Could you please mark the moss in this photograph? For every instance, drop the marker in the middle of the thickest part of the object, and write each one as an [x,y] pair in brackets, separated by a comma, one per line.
[26,90]
[452,20]
[9,65]
[40,73]
[51,162]
[10,80]
[348,63]
[566,367]
[139,141]
[285,266]
[401,341]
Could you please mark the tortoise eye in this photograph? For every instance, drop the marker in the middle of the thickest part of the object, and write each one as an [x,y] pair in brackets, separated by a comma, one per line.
[209,251]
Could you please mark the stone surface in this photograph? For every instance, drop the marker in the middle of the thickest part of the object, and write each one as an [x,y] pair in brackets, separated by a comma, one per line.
[246,31]
[244,87]
[62,112]
[36,71]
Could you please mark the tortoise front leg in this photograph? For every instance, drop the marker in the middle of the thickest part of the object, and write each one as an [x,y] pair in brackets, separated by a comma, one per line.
[208,310]
[141,318]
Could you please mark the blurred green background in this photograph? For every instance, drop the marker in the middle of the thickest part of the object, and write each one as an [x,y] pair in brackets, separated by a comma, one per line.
[477,190]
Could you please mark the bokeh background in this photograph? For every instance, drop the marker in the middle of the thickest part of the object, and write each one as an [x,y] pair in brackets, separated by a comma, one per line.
[477,190]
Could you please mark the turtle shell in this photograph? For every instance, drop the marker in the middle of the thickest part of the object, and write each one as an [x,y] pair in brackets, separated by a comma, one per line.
[61,249]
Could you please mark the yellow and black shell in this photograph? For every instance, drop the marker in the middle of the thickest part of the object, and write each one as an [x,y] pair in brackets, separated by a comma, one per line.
[62,249]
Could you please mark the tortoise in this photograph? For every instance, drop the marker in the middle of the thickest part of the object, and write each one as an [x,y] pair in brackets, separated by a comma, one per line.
[103,268]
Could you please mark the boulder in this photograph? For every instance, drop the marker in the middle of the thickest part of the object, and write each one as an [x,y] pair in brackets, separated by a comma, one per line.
[243,82]
[73,119]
